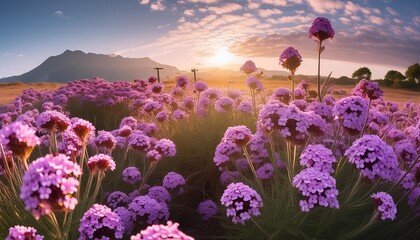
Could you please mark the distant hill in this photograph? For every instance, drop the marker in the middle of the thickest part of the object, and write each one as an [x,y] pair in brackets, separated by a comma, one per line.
[73,65]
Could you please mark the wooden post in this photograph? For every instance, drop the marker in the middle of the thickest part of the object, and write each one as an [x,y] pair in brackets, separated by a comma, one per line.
[194,70]
[157,69]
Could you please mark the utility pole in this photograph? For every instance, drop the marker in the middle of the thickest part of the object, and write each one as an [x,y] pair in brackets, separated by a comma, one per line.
[194,70]
[157,69]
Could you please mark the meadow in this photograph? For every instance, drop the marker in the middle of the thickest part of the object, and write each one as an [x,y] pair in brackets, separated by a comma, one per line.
[254,159]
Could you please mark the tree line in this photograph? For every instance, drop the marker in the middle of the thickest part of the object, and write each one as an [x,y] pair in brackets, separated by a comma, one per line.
[393,78]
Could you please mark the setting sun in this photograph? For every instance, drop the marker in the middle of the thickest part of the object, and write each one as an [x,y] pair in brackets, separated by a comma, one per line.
[221,57]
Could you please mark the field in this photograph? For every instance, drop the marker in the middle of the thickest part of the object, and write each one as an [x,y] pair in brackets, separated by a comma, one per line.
[8,91]
[127,160]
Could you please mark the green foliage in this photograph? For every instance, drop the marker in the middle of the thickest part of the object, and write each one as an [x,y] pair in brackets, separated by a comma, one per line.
[343,80]
[394,76]
[362,73]
[413,73]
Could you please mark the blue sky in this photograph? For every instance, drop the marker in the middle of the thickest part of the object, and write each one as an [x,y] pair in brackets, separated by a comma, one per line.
[379,34]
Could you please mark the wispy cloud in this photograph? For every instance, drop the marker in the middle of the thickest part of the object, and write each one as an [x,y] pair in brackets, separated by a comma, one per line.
[268,12]
[226,8]
[60,14]
[189,12]
[143,2]
[157,6]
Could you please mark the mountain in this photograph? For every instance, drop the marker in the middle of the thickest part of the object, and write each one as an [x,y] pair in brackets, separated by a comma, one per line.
[73,65]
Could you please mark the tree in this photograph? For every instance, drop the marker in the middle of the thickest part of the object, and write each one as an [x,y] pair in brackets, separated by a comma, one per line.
[362,73]
[393,78]
[413,73]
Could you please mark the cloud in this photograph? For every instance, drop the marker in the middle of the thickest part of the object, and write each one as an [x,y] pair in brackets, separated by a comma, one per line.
[189,12]
[202,1]
[268,12]
[143,2]
[227,8]
[326,6]
[164,26]
[253,5]
[369,45]
[281,3]
[377,20]
[416,20]
[157,6]
[345,20]
[291,19]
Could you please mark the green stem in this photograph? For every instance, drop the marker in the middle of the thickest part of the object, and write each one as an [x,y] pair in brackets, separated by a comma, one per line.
[251,165]
[293,84]
[97,187]
[88,186]
[319,71]
[366,120]
[273,154]
[354,189]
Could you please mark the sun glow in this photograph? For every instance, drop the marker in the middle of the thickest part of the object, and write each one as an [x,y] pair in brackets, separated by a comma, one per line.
[221,57]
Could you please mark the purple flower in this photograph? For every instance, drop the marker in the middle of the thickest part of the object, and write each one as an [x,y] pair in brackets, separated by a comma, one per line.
[129,121]
[101,163]
[19,138]
[160,194]
[228,177]
[241,201]
[211,94]
[290,59]
[152,106]
[266,171]
[174,182]
[224,151]
[70,144]
[148,128]
[131,175]
[321,29]
[254,83]
[207,209]
[117,199]
[182,81]
[248,67]
[127,218]
[404,149]
[179,114]
[200,86]
[240,135]
[385,205]
[99,222]
[152,79]
[318,157]
[317,188]
[224,104]
[322,109]
[53,121]
[369,89]
[49,185]
[317,125]
[82,128]
[374,157]
[23,233]
[157,87]
[148,210]
[189,103]
[139,141]
[352,111]
[162,116]
[282,94]
[244,106]
[105,140]
[169,231]
[124,131]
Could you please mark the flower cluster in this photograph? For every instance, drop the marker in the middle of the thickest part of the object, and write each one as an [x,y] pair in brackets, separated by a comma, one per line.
[105,140]
[241,201]
[19,138]
[374,157]
[318,157]
[352,112]
[385,205]
[101,163]
[53,121]
[174,182]
[290,59]
[49,185]
[240,135]
[182,81]
[160,194]
[148,210]
[207,209]
[131,175]
[82,128]
[99,222]
[23,233]
[169,231]
[117,199]
[248,67]
[317,188]
[367,88]
[321,29]
[254,83]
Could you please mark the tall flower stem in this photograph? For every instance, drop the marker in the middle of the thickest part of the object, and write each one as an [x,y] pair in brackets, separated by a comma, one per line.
[101,175]
[354,189]
[251,165]
[292,73]
[367,118]
[319,70]
[273,154]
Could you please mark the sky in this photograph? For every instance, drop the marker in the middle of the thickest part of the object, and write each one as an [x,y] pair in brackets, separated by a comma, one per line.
[379,34]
